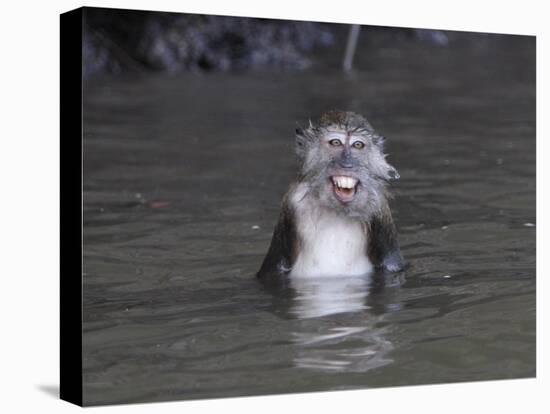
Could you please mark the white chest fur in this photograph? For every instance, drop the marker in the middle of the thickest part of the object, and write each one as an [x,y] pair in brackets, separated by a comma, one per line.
[330,245]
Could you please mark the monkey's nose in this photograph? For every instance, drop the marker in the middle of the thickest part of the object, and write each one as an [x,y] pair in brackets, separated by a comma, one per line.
[345,160]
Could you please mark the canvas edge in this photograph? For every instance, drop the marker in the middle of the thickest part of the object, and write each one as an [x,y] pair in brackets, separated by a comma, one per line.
[71,32]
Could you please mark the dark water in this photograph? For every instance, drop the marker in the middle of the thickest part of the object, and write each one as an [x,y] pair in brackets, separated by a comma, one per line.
[183,180]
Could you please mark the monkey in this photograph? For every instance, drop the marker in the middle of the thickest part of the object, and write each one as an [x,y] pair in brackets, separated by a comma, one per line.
[335,218]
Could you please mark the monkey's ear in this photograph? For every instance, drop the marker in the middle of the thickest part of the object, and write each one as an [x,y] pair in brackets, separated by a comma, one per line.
[379,141]
[393,174]
[300,141]
[301,138]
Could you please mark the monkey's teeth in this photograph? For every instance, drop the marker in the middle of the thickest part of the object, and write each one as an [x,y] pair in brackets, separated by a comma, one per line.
[345,182]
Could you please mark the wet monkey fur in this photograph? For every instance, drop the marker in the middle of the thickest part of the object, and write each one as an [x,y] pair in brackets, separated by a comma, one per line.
[335,219]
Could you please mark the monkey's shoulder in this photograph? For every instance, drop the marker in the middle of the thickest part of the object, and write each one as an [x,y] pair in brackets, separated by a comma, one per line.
[384,249]
[282,249]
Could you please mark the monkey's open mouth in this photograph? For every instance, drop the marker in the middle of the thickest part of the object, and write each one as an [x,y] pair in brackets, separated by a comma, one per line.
[344,187]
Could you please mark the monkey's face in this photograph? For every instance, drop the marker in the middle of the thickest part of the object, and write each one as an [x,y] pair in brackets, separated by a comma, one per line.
[346,170]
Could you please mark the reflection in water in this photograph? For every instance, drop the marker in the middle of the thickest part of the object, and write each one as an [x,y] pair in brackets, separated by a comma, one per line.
[328,343]
[327,296]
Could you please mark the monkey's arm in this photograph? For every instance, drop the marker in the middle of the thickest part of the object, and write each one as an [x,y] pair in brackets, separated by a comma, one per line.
[280,256]
[383,247]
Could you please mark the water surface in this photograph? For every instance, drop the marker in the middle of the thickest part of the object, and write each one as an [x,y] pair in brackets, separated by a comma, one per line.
[183,178]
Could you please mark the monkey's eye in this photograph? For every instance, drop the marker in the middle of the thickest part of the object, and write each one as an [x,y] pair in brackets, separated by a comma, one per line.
[335,142]
[358,145]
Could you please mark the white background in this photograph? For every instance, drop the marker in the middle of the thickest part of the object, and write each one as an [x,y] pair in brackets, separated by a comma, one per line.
[29,203]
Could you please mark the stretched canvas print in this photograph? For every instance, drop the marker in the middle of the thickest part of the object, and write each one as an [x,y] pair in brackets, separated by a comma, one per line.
[254,206]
